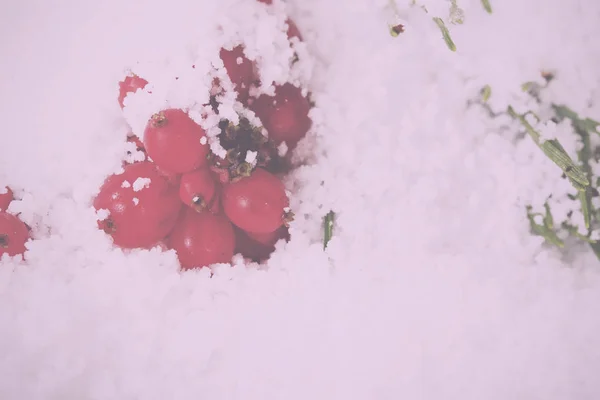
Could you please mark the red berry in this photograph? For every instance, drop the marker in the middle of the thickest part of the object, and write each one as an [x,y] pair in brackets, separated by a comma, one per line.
[240,70]
[197,189]
[13,235]
[202,239]
[293,31]
[256,203]
[269,239]
[6,199]
[221,174]
[266,1]
[258,247]
[131,84]
[175,142]
[142,206]
[285,115]
[172,177]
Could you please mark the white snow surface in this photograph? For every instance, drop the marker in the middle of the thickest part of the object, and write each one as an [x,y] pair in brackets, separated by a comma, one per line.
[432,288]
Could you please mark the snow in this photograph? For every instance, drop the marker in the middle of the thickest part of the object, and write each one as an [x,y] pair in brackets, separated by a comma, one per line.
[141,183]
[432,286]
[251,157]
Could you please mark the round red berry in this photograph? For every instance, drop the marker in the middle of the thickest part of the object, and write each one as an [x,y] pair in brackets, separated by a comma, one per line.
[240,70]
[13,235]
[175,142]
[6,198]
[270,238]
[197,189]
[202,239]
[140,205]
[131,84]
[256,203]
[293,31]
[258,247]
[285,115]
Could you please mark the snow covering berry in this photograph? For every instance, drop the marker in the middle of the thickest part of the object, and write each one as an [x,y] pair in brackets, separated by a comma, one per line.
[201,239]
[138,207]
[240,70]
[130,84]
[175,142]
[197,189]
[6,198]
[136,151]
[13,235]
[293,31]
[256,203]
[285,115]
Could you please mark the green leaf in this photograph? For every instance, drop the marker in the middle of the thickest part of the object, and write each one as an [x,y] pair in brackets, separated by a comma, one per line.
[554,150]
[457,15]
[565,112]
[548,219]
[573,231]
[584,199]
[596,249]
[445,33]
[588,125]
[527,86]
[486,92]
[541,230]
[328,222]
[487,6]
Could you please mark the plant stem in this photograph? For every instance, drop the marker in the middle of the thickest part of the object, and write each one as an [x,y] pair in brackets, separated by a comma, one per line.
[328,228]
[486,4]
[554,150]
[445,33]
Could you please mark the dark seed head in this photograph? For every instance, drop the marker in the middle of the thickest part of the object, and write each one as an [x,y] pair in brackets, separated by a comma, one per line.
[108,226]
[159,120]
[4,241]
[397,29]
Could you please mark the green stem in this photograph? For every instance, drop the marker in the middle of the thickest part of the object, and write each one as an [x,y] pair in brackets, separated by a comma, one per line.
[554,150]
[328,228]
[445,33]
[486,4]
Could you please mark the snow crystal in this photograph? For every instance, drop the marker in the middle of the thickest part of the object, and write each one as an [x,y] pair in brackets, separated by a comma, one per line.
[282,149]
[251,157]
[136,201]
[141,183]
[125,184]
[102,214]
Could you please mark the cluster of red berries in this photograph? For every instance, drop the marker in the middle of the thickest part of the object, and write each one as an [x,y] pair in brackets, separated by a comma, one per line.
[14,233]
[208,207]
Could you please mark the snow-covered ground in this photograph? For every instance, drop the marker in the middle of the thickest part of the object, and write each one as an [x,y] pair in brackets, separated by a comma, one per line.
[432,288]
